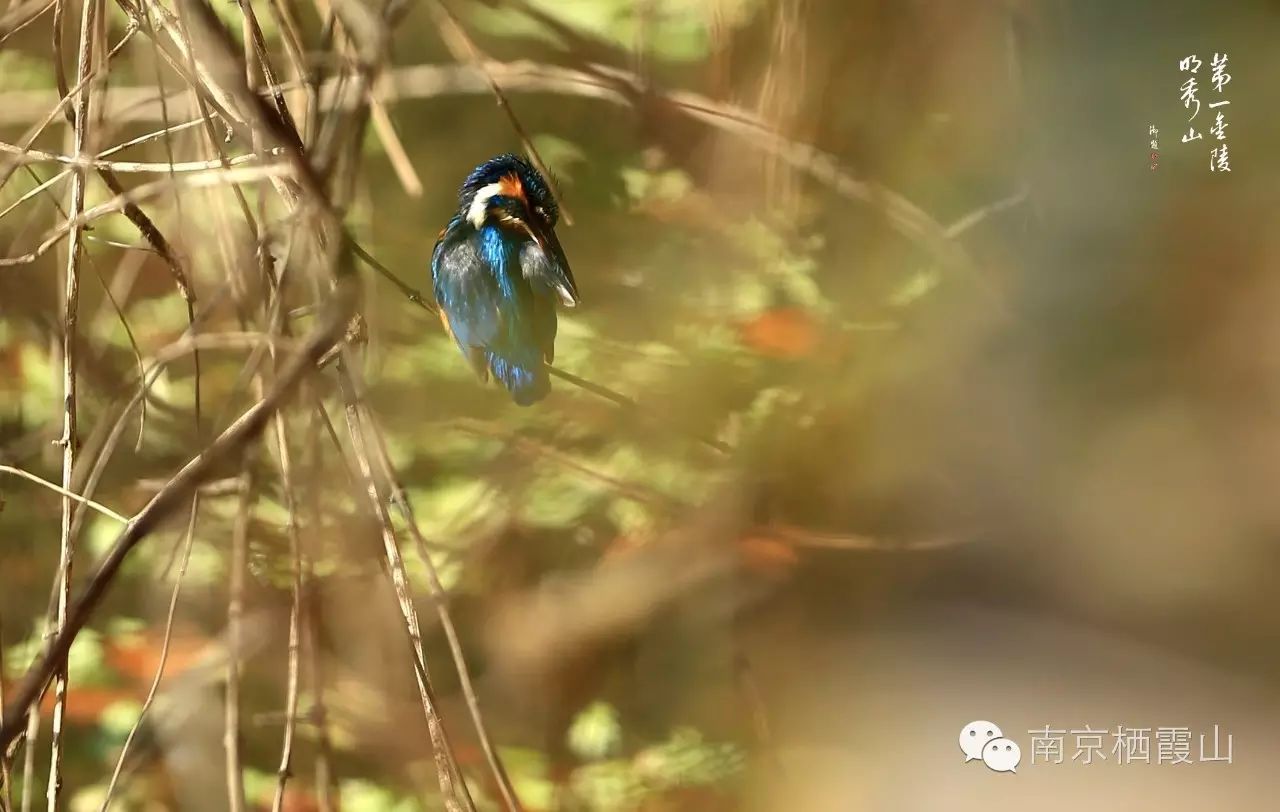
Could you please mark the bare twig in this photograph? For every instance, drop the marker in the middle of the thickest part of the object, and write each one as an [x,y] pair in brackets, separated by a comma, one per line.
[103,509]
[285,461]
[453,787]
[325,780]
[379,117]
[235,640]
[981,213]
[70,436]
[19,16]
[39,188]
[195,180]
[856,542]
[162,133]
[161,244]
[396,154]
[32,735]
[234,439]
[440,599]
[188,541]
[65,95]
[30,156]
[6,779]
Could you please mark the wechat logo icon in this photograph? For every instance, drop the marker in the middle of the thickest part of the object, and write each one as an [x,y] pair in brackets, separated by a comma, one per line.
[985,741]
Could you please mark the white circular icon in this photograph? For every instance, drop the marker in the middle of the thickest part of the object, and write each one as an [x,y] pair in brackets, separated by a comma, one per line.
[1002,755]
[974,737]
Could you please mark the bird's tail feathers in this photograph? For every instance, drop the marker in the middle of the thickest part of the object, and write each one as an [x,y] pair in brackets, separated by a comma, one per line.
[528,383]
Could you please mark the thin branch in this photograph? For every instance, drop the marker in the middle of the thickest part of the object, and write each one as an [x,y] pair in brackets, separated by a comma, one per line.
[163,132]
[284,459]
[232,441]
[187,544]
[31,156]
[103,509]
[380,118]
[65,95]
[200,180]
[18,17]
[70,436]
[40,187]
[396,154]
[453,787]
[325,780]
[147,228]
[233,765]
[189,344]
[411,293]
[856,542]
[295,615]
[621,87]
[115,305]
[6,777]
[981,213]
[32,736]
[440,599]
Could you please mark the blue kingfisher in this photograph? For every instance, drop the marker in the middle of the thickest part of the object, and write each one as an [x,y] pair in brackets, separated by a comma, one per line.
[498,270]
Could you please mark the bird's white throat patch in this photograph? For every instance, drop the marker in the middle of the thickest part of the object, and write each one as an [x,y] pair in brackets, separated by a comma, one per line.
[480,203]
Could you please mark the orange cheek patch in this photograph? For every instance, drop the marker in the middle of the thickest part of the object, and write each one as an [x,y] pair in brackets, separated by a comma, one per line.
[510,186]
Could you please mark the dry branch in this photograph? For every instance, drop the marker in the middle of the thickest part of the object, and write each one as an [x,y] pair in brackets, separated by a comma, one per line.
[232,441]
[453,786]
[70,436]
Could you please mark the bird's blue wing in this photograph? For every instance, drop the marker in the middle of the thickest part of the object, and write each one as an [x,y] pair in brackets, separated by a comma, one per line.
[465,288]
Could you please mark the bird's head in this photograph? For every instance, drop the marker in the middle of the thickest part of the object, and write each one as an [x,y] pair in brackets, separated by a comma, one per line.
[508,192]
[506,189]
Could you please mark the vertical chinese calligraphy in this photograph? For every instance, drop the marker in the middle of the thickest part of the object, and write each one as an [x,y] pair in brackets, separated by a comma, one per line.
[1191,65]
[1154,132]
[1219,160]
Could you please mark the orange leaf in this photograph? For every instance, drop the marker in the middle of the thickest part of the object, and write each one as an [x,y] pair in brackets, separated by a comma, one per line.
[766,556]
[139,658]
[781,332]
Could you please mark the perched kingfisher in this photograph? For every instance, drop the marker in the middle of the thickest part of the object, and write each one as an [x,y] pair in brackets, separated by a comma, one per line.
[497,271]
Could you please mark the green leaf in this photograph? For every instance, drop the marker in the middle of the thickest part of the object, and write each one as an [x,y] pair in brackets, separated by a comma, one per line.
[357,795]
[85,662]
[596,732]
[607,785]
[118,718]
[452,505]
[559,499]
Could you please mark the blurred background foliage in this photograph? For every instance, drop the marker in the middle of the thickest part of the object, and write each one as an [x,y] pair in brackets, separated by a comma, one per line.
[1077,417]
